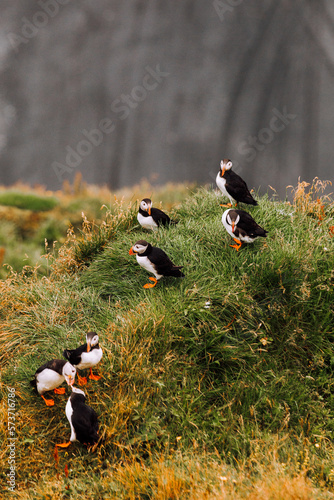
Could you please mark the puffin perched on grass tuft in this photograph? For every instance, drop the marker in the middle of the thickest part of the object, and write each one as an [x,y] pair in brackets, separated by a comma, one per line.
[51,375]
[155,261]
[152,218]
[233,186]
[86,356]
[242,227]
[82,419]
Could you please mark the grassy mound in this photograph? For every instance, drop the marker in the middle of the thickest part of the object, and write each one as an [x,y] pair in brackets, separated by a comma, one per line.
[217,385]
[27,201]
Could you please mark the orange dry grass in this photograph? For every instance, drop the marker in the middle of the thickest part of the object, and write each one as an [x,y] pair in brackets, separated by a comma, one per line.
[307,198]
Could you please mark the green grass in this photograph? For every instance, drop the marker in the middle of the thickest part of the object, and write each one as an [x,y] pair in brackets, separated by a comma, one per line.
[27,201]
[226,372]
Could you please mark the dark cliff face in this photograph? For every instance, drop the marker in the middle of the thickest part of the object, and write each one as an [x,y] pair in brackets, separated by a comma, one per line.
[164,90]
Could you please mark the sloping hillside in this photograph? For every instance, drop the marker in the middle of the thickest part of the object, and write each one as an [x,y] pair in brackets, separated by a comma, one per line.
[216,385]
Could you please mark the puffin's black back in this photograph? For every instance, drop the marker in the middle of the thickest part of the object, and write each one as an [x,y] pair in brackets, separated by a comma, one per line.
[74,355]
[160,217]
[162,262]
[84,420]
[237,188]
[247,225]
[55,364]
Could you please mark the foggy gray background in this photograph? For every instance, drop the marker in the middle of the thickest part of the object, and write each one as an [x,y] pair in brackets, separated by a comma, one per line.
[78,91]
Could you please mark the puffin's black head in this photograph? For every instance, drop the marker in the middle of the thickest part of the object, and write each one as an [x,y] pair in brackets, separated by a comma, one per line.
[146,205]
[232,219]
[225,165]
[92,339]
[139,247]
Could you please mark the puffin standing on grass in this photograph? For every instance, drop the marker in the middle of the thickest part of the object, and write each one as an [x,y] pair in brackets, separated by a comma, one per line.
[52,374]
[151,218]
[233,186]
[82,419]
[155,261]
[86,356]
[242,227]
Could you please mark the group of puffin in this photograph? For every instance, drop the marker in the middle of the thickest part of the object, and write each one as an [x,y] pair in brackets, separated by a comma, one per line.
[82,418]
[239,224]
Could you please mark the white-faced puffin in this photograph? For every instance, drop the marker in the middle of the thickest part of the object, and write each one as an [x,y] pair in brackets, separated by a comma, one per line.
[52,374]
[150,217]
[155,261]
[233,186]
[242,227]
[82,419]
[86,356]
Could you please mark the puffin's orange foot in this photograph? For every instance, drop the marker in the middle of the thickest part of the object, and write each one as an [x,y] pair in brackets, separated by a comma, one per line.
[48,402]
[93,377]
[238,244]
[59,390]
[226,205]
[64,445]
[151,285]
[82,380]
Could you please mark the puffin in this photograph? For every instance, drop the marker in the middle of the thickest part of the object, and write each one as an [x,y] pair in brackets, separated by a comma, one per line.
[155,261]
[233,186]
[242,227]
[85,356]
[52,374]
[151,218]
[82,419]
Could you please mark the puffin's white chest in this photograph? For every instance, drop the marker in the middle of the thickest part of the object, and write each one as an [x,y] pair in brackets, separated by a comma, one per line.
[221,184]
[48,380]
[226,225]
[89,359]
[69,413]
[147,264]
[147,222]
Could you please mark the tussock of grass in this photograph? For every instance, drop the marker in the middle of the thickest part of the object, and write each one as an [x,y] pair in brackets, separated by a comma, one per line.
[27,201]
[217,385]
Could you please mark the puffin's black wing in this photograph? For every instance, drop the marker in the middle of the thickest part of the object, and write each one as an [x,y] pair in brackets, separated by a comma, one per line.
[237,188]
[248,226]
[160,217]
[74,355]
[85,423]
[55,364]
[163,264]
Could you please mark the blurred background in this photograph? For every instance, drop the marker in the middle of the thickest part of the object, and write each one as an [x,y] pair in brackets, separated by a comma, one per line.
[122,91]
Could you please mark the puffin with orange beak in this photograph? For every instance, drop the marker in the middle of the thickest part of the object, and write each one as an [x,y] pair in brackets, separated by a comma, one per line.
[152,218]
[242,227]
[51,375]
[155,261]
[85,356]
[233,186]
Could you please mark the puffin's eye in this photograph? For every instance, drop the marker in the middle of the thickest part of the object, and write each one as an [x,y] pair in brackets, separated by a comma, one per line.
[229,164]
